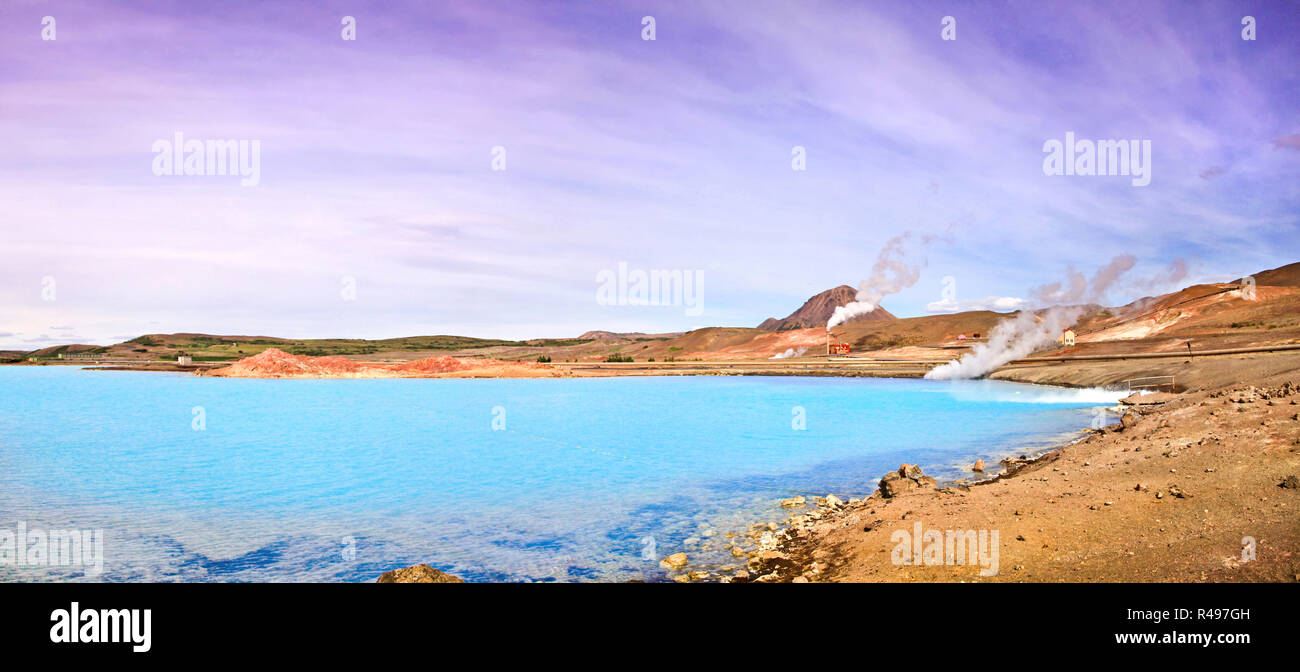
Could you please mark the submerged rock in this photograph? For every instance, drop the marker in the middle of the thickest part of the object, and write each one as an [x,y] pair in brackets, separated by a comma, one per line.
[674,561]
[421,573]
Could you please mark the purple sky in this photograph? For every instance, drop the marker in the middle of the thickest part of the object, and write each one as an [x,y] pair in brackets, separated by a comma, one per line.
[669,154]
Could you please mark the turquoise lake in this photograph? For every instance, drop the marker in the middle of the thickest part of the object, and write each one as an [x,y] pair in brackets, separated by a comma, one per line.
[210,479]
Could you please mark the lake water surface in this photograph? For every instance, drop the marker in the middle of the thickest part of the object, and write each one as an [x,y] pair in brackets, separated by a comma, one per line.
[212,479]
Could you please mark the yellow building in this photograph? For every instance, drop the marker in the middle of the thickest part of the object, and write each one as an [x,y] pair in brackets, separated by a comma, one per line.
[1067,338]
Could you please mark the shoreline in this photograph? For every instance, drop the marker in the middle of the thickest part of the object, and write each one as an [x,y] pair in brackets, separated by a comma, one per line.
[1225,511]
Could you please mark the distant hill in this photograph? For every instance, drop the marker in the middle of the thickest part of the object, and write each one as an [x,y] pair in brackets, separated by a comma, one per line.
[616,335]
[815,312]
[71,349]
[1282,276]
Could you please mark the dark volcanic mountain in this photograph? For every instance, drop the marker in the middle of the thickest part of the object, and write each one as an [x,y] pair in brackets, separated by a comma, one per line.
[816,311]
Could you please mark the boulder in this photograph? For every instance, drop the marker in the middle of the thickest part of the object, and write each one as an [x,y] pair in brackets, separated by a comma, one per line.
[1128,420]
[978,466]
[908,479]
[417,574]
[894,487]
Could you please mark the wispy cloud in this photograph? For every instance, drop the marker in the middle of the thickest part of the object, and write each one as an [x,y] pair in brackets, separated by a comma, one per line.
[666,154]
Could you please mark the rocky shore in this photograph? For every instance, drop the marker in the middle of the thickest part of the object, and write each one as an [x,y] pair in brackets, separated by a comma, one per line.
[1201,487]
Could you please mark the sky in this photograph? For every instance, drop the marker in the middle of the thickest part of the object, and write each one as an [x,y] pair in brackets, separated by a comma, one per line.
[475,168]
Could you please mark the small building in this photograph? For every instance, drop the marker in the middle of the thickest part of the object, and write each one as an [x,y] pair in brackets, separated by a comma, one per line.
[1067,338]
[184,360]
[840,349]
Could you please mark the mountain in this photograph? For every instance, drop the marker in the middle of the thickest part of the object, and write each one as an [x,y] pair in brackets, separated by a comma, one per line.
[815,312]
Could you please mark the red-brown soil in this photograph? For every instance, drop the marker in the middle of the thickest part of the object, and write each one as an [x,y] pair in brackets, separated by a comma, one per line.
[276,363]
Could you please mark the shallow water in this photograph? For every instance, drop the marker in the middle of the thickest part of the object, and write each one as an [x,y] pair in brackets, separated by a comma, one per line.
[582,479]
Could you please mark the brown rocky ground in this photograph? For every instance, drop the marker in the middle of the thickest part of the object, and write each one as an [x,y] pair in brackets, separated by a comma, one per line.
[1194,373]
[1168,495]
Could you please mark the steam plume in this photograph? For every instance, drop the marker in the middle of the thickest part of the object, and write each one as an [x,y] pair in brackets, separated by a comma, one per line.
[1030,331]
[1173,275]
[889,275]
[1010,340]
[1080,290]
[790,352]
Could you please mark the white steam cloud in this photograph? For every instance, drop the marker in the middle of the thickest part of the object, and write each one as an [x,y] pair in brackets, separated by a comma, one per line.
[1010,340]
[889,275]
[1030,331]
[791,352]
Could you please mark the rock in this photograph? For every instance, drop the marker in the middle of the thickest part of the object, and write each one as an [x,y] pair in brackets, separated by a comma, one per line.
[674,561]
[1128,420]
[1290,483]
[418,574]
[794,501]
[799,579]
[909,478]
[698,575]
[978,466]
[736,552]
[740,574]
[832,500]
[1177,492]
[896,487]
[682,578]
